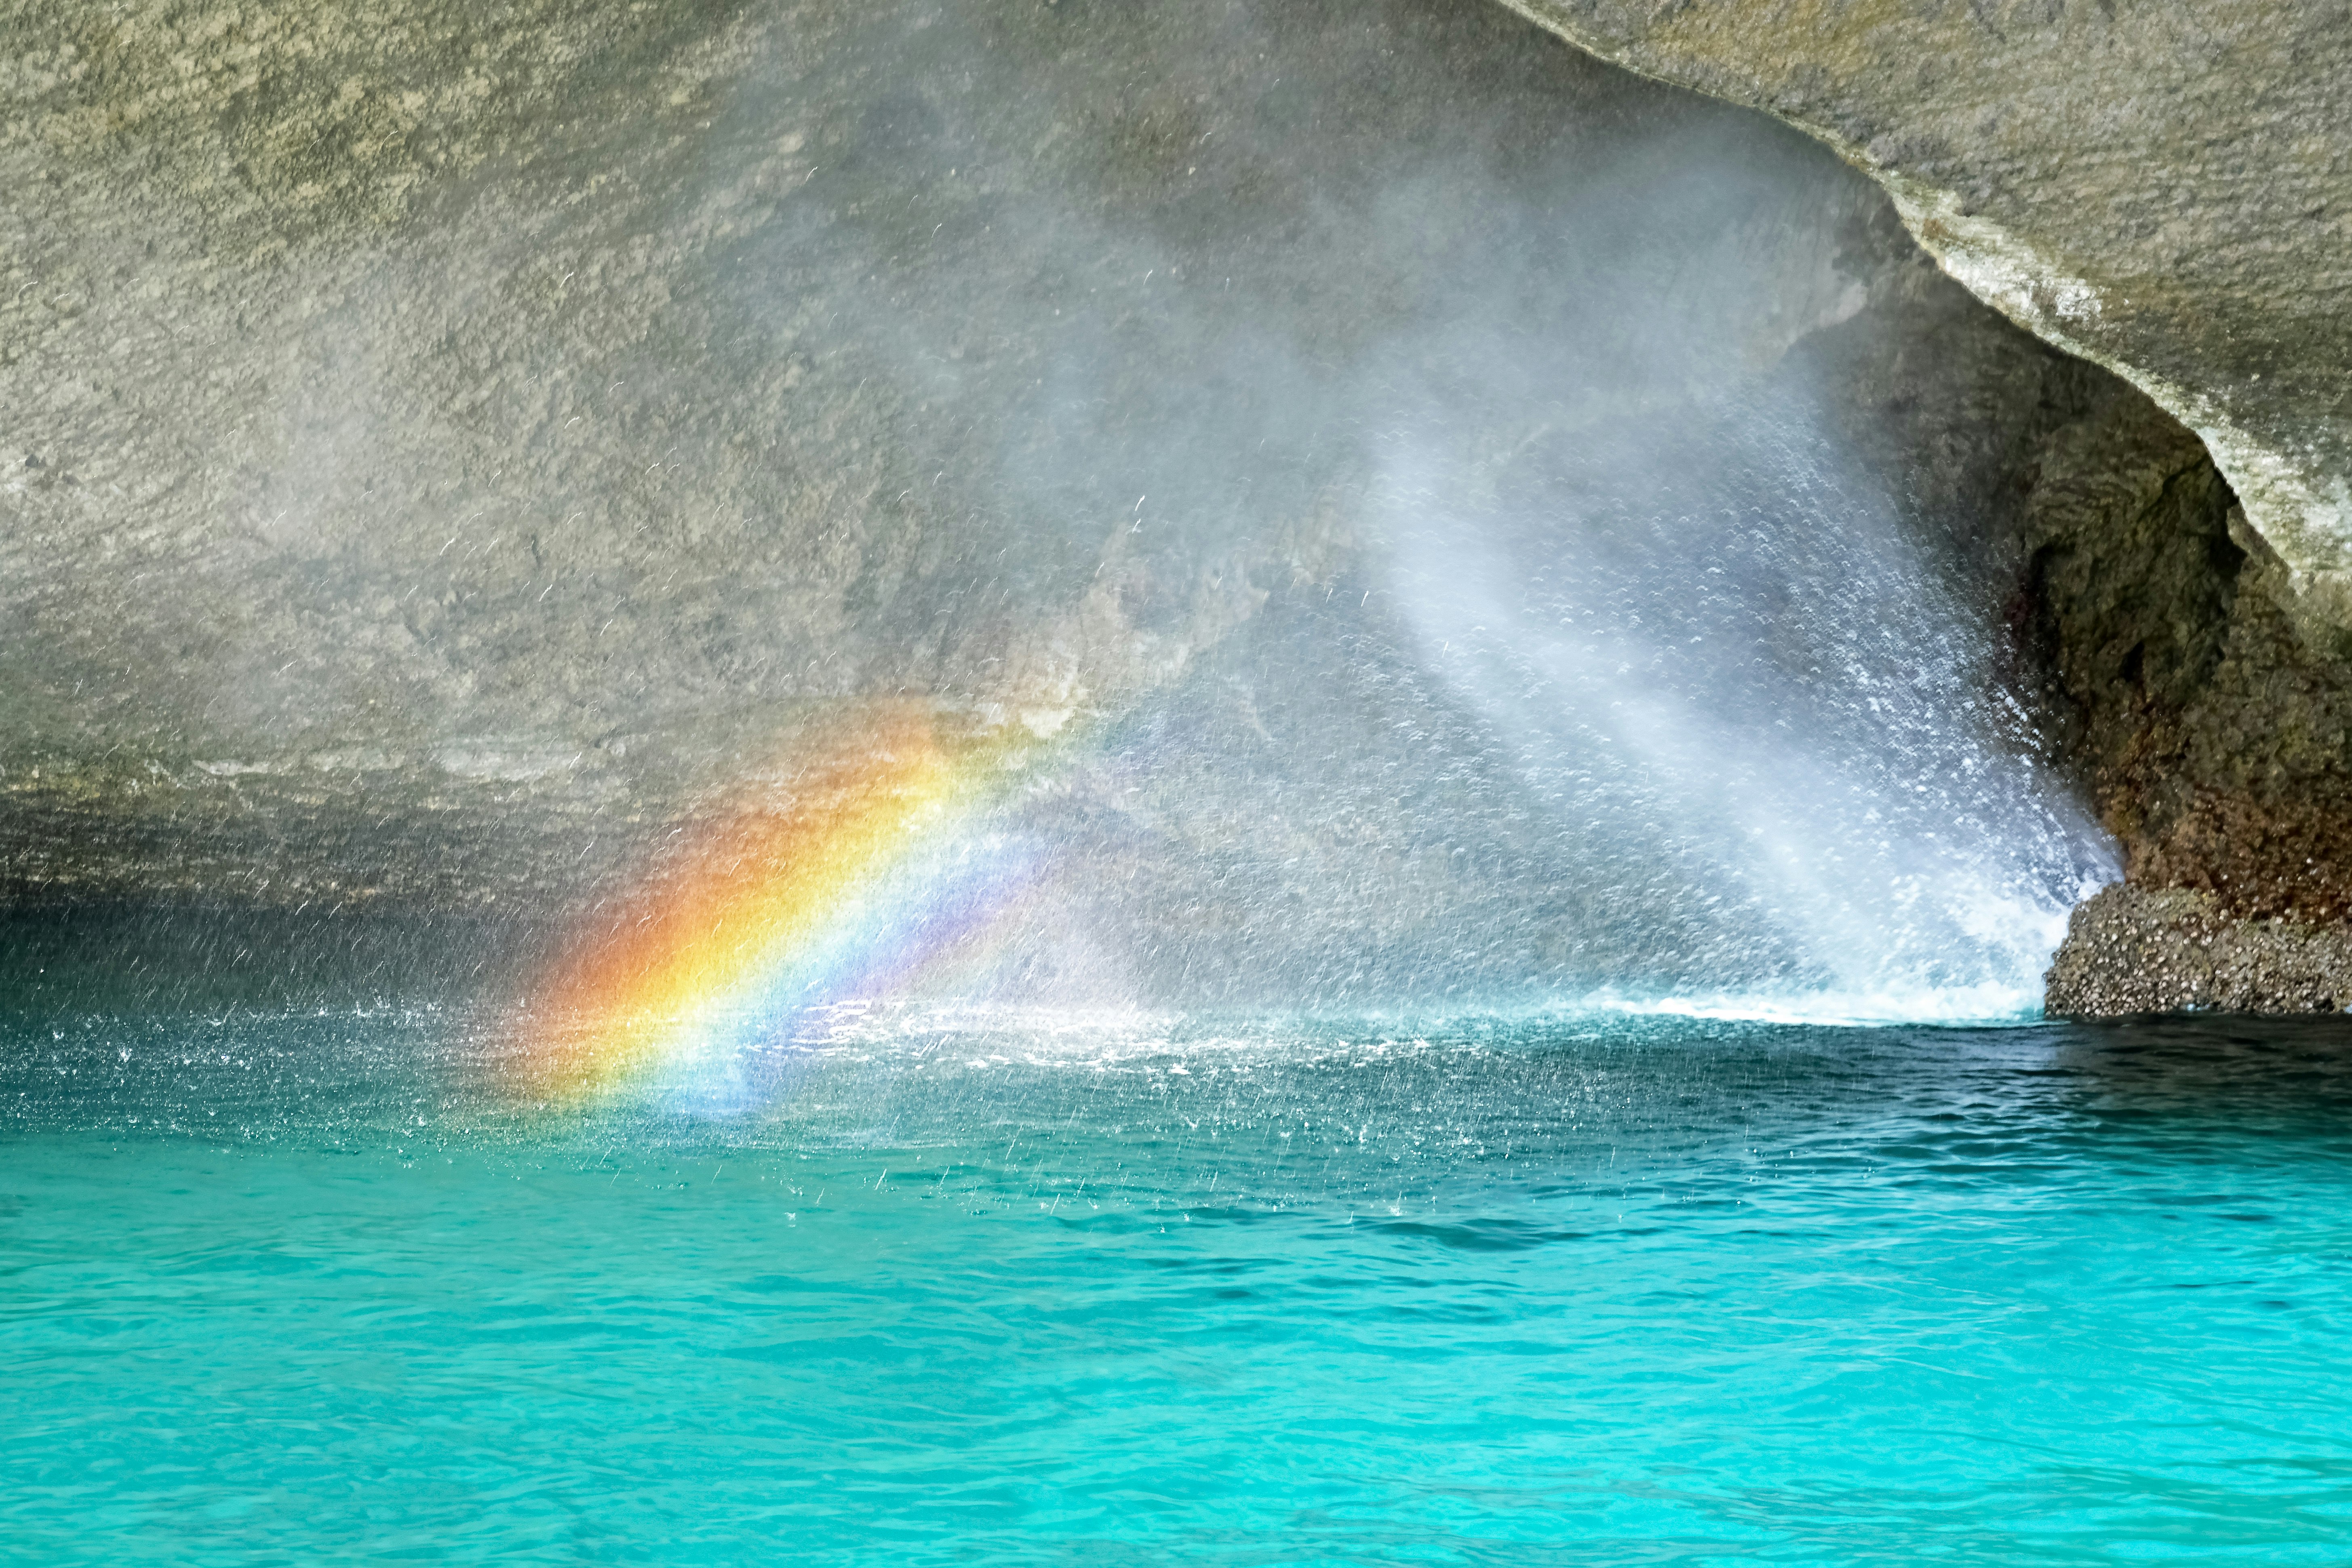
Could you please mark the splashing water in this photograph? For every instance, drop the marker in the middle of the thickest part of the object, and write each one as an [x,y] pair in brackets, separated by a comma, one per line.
[1738,699]
[1759,750]
[1758,710]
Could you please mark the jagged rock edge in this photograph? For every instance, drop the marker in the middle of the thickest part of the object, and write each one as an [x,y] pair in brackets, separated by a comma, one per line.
[2309,532]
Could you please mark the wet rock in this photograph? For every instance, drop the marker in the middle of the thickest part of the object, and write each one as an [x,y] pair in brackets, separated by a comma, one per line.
[2210,725]
[2129,950]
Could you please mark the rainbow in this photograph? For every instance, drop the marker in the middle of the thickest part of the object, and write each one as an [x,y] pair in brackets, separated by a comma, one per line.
[867,857]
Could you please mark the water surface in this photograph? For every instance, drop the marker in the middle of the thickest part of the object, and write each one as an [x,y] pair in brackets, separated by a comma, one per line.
[990,1288]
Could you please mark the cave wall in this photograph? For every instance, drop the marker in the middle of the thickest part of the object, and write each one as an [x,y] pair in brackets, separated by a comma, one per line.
[448,445]
[2160,189]
[406,496]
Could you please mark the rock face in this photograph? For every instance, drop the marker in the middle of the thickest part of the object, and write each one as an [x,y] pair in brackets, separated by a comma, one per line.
[2166,191]
[449,446]
[2134,951]
[444,442]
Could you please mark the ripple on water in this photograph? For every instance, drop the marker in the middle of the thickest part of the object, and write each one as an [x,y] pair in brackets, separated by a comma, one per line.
[986,1287]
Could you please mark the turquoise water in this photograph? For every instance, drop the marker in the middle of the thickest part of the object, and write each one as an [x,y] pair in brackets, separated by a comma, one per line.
[295,1289]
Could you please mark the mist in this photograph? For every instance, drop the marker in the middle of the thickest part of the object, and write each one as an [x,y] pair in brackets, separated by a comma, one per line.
[1501,621]
[1392,476]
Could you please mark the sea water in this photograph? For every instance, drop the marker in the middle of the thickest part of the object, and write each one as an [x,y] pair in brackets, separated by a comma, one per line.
[1575,1288]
